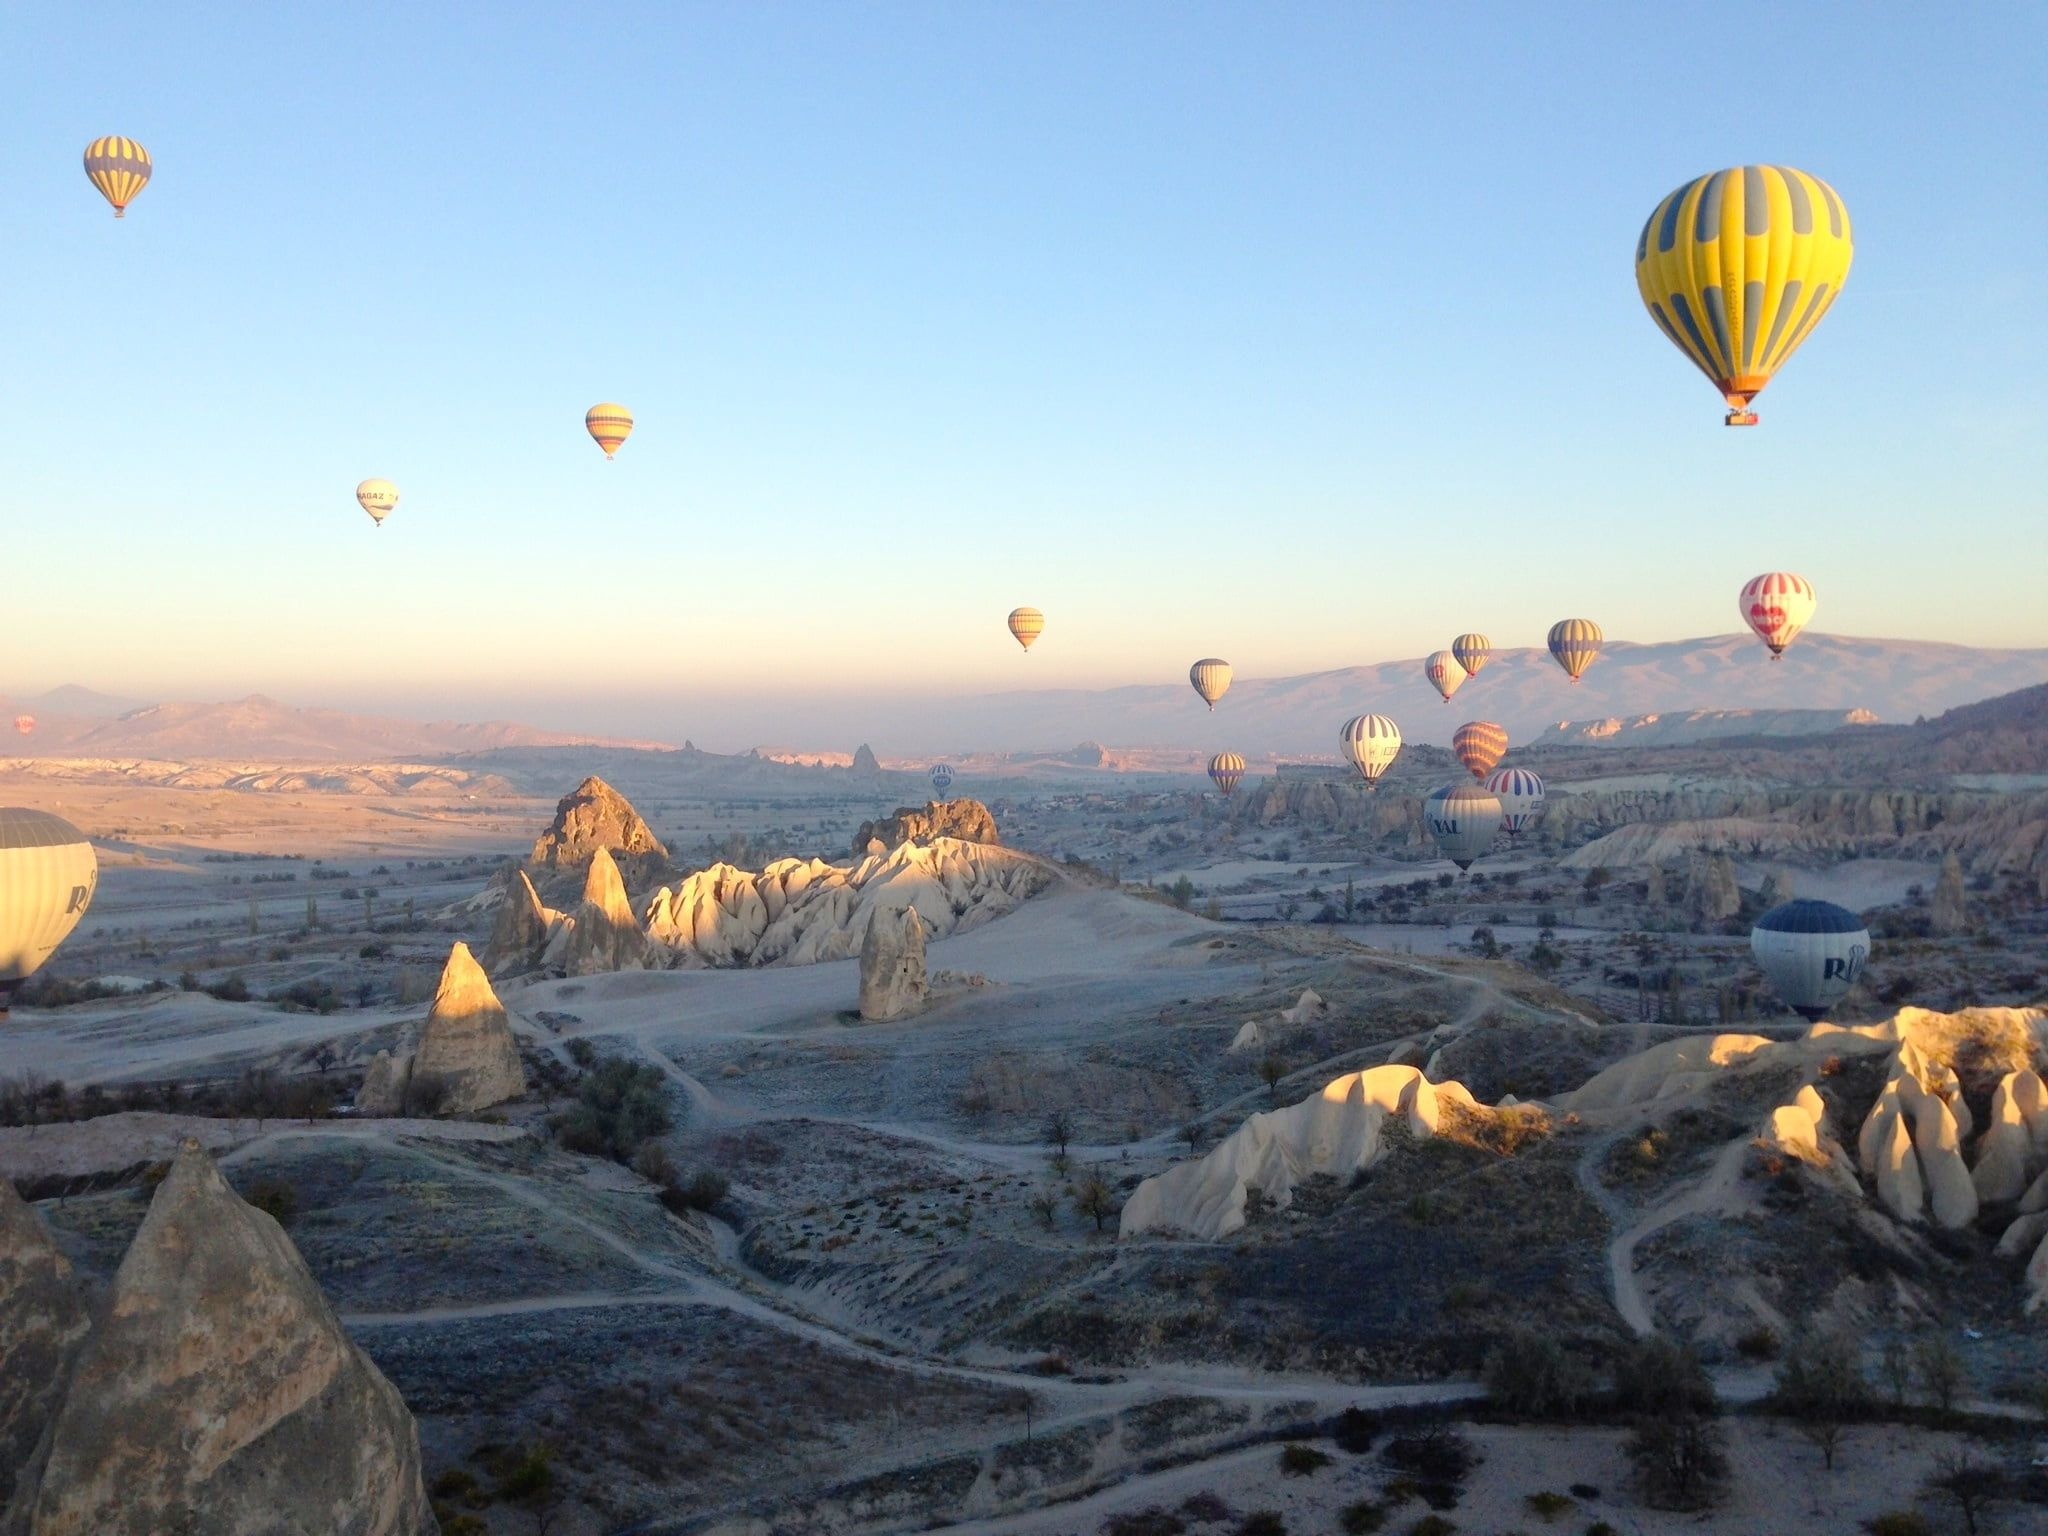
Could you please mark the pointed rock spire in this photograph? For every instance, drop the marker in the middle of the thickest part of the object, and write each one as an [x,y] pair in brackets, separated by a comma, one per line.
[467,1046]
[43,1320]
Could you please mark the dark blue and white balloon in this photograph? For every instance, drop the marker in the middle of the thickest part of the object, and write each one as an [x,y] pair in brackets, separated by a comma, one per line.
[942,777]
[1812,951]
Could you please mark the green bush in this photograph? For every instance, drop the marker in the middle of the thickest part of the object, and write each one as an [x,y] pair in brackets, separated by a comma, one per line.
[1298,1460]
[1363,1518]
[619,1106]
[1529,1373]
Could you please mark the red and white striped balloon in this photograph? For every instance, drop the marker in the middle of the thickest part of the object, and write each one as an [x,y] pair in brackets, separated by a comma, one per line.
[1777,605]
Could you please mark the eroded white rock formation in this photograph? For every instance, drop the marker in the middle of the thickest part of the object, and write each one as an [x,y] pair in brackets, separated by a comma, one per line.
[602,934]
[218,1393]
[798,911]
[893,984]
[1338,1132]
[43,1321]
[522,926]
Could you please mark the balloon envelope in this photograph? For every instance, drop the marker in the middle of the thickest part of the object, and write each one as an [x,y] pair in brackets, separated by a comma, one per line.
[1371,742]
[1211,679]
[119,168]
[942,777]
[25,723]
[1226,769]
[1520,793]
[1462,818]
[1472,651]
[377,497]
[1443,672]
[1573,644]
[1479,744]
[1812,951]
[1777,605]
[47,877]
[1738,266]
[609,424]
[1026,625]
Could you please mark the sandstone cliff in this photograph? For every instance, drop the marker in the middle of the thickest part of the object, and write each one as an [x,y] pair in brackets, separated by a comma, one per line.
[966,821]
[592,816]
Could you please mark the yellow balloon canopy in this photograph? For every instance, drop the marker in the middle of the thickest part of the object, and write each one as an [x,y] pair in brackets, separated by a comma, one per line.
[119,168]
[609,425]
[1738,267]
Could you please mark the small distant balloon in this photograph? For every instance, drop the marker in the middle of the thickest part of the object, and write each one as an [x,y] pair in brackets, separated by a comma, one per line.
[1211,679]
[47,877]
[1226,769]
[1777,605]
[1472,651]
[1026,625]
[1737,267]
[1520,793]
[610,425]
[942,777]
[378,497]
[1812,951]
[26,724]
[1444,673]
[1370,743]
[119,168]
[1573,644]
[1479,745]
[1462,818]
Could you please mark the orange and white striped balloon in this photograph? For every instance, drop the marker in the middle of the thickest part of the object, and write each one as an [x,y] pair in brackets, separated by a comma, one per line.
[1777,605]
[1026,625]
[1480,745]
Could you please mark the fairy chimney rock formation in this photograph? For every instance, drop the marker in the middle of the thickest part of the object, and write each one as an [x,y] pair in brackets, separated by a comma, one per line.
[43,1320]
[968,821]
[864,762]
[602,934]
[218,1392]
[467,1046]
[892,975]
[466,1059]
[1716,894]
[1951,911]
[520,930]
[590,817]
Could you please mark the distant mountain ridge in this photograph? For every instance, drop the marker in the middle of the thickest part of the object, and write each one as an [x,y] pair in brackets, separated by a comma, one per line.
[1685,727]
[262,729]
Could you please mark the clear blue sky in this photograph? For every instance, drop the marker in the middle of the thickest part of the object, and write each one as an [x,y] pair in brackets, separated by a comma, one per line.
[1299,334]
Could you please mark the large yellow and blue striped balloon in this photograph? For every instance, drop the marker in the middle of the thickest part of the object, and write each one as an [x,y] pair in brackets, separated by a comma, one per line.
[1226,769]
[1738,267]
[1471,651]
[119,168]
[1574,643]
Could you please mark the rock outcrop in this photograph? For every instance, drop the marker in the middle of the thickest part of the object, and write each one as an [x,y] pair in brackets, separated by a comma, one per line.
[799,911]
[43,1320]
[217,1393]
[893,984]
[864,762]
[965,821]
[594,816]
[1951,912]
[466,1059]
[1338,1132]
[1715,894]
[602,934]
[522,927]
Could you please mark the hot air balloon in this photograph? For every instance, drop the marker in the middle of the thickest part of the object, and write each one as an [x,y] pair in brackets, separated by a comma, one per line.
[119,168]
[1812,951]
[1372,742]
[25,724]
[1443,672]
[47,875]
[942,777]
[610,424]
[1520,794]
[378,498]
[1462,818]
[1026,624]
[1211,678]
[1574,643]
[1777,605]
[1479,744]
[1472,651]
[1738,267]
[1226,768]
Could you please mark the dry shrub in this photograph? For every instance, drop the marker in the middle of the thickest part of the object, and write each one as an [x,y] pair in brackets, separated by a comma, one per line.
[1503,1132]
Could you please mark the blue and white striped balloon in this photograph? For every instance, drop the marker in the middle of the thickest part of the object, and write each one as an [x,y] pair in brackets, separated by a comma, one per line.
[1521,797]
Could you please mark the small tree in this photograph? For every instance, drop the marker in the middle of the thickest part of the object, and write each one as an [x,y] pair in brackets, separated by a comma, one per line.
[1527,1372]
[1484,942]
[1970,1480]
[1095,1199]
[1680,1460]
[1271,1070]
[1045,1205]
[1181,892]
[1821,1387]
[1191,1133]
[1897,1365]
[1939,1370]
[1059,1130]
[530,1483]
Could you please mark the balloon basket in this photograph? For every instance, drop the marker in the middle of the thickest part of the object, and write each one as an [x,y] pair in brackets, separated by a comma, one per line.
[1742,418]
